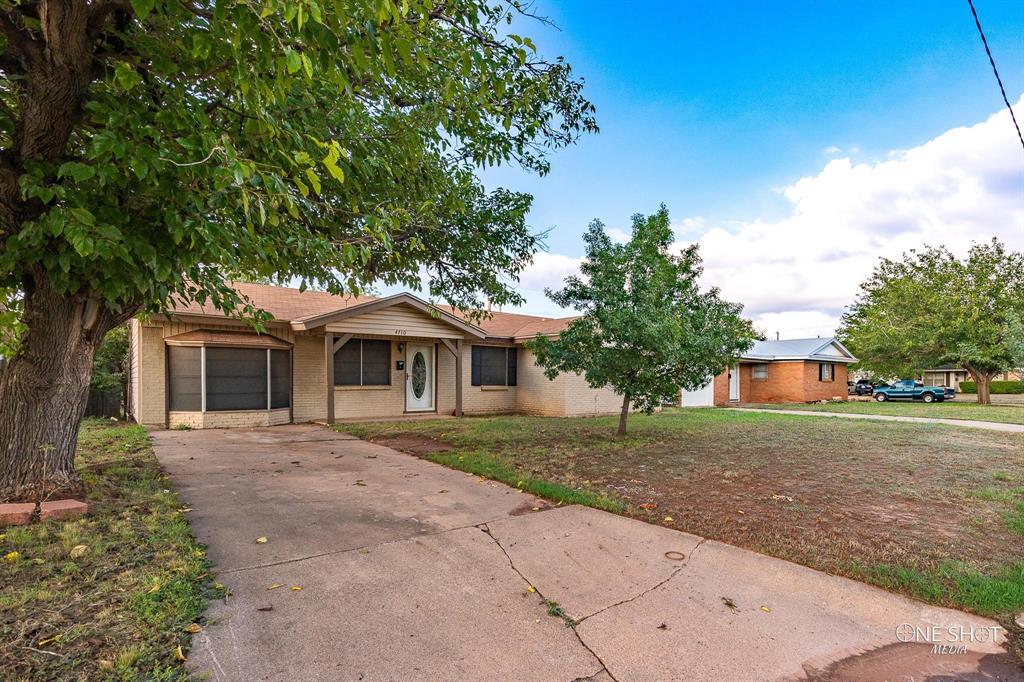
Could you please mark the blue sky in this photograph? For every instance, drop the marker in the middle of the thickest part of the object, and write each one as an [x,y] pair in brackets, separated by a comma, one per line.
[714,108]
[708,106]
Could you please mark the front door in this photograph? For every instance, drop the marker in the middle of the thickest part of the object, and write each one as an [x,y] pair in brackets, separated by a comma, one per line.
[419,378]
[734,383]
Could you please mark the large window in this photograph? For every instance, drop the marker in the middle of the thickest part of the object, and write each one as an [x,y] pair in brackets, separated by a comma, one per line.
[236,378]
[186,378]
[363,362]
[759,371]
[493,366]
[826,371]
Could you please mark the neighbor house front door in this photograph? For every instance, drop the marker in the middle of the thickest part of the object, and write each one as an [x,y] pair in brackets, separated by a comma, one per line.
[419,378]
[734,383]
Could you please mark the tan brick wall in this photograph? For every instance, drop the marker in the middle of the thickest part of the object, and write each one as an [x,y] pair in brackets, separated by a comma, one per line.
[536,393]
[309,389]
[133,367]
[583,401]
[231,419]
[152,405]
[791,382]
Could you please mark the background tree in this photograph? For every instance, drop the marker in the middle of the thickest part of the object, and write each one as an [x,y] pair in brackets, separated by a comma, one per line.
[151,147]
[1013,335]
[646,328]
[930,309]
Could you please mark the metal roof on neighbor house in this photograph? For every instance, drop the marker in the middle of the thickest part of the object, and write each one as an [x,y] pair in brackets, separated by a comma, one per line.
[800,349]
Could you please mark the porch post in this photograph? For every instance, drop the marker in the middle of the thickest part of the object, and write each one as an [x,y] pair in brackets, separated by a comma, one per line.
[329,374]
[458,377]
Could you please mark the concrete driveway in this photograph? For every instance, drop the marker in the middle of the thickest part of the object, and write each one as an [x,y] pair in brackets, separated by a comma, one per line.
[411,571]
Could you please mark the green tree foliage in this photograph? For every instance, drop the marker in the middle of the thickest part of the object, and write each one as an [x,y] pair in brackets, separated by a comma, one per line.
[111,360]
[646,328]
[282,138]
[152,149]
[930,308]
[1013,336]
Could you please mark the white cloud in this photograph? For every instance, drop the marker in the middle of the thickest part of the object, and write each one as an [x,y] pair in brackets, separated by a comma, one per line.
[548,270]
[795,275]
[618,235]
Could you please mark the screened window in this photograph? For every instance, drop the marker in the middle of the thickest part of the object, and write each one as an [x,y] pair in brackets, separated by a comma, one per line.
[760,371]
[363,362]
[236,379]
[280,379]
[826,371]
[185,367]
[493,366]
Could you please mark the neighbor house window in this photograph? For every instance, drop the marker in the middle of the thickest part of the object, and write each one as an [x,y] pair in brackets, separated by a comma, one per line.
[493,366]
[760,371]
[236,378]
[363,362]
[826,371]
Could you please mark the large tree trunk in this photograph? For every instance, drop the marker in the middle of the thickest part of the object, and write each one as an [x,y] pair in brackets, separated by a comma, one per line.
[623,415]
[43,393]
[982,381]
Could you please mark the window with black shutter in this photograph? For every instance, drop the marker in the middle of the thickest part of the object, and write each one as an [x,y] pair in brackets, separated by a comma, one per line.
[363,362]
[493,366]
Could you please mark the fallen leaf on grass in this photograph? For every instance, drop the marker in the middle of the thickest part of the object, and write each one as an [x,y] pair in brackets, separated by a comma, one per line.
[106,665]
[179,654]
[11,556]
[194,628]
[185,509]
[649,505]
[261,540]
[669,519]
[77,551]
[156,586]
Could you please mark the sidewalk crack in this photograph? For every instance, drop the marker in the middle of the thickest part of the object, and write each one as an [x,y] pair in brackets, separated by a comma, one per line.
[484,527]
[671,575]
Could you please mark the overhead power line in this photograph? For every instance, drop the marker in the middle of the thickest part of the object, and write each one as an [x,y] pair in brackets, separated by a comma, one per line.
[977,22]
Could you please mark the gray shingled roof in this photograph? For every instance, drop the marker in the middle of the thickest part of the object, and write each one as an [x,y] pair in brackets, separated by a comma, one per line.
[792,349]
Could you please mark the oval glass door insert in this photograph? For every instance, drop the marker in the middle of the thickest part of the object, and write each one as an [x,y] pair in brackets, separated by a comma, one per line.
[419,375]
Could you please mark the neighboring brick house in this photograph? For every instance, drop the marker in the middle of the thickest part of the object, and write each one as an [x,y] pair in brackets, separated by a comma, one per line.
[326,357]
[788,371]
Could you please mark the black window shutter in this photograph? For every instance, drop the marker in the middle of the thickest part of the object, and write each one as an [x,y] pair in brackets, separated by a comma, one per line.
[475,366]
[512,366]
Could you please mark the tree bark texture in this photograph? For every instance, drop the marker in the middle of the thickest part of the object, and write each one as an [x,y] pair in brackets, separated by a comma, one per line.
[623,416]
[43,393]
[982,381]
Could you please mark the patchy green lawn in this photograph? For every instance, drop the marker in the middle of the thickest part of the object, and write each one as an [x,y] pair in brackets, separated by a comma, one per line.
[929,510]
[1008,414]
[112,595]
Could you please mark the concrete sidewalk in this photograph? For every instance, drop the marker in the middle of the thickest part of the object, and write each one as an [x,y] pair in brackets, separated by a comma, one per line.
[409,570]
[967,423]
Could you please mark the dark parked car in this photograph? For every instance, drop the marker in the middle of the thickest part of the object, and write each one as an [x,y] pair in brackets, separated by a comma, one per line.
[908,389]
[862,387]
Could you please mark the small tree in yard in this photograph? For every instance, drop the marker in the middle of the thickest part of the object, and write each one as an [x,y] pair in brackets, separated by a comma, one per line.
[152,148]
[646,328]
[931,308]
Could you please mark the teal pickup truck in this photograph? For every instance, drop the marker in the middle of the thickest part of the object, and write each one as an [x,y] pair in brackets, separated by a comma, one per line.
[908,389]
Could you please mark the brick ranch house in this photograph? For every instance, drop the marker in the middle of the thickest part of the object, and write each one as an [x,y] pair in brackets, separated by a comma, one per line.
[787,371]
[327,358]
